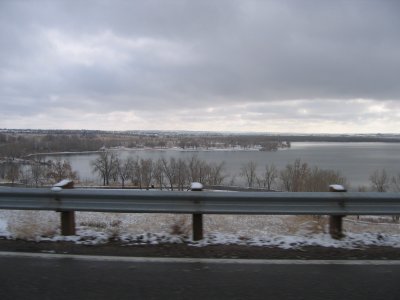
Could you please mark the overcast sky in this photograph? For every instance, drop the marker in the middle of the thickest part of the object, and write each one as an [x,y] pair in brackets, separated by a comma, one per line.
[266,66]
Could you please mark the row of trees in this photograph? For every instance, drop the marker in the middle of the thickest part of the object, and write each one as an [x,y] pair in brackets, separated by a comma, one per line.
[38,173]
[296,177]
[16,145]
[164,173]
[381,181]
[177,174]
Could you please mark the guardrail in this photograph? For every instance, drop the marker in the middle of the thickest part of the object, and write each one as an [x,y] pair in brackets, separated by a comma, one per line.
[198,203]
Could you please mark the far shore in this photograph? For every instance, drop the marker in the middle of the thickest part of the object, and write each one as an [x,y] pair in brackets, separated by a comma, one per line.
[144,149]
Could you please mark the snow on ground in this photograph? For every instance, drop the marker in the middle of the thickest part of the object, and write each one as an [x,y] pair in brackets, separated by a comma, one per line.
[132,229]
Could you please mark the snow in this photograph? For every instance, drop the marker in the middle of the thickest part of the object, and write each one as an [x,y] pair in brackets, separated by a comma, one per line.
[286,232]
[3,229]
[337,188]
[196,186]
[63,183]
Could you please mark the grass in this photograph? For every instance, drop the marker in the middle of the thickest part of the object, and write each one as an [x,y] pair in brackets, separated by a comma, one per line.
[33,224]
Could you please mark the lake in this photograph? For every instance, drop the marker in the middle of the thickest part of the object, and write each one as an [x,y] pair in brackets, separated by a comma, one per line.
[356,161]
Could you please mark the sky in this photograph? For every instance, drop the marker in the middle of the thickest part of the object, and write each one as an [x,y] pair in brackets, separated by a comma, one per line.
[212,65]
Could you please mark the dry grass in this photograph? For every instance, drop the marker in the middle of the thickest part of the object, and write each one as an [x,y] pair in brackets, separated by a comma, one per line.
[311,224]
[33,224]
[181,225]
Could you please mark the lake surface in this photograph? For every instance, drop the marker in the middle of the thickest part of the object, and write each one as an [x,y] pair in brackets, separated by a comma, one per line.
[356,161]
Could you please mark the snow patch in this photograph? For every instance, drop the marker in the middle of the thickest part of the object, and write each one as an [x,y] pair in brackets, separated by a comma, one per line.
[286,232]
[3,229]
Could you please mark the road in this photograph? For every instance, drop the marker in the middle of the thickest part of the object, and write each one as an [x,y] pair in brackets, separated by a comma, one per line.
[26,276]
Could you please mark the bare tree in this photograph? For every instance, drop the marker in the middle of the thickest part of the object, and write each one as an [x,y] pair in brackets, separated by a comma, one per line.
[25,176]
[248,171]
[293,176]
[216,173]
[268,178]
[105,165]
[123,169]
[2,170]
[147,171]
[299,177]
[181,174]
[194,169]
[396,188]
[318,180]
[142,171]
[396,183]
[60,169]
[13,172]
[175,172]
[204,171]
[170,169]
[159,173]
[136,173]
[379,180]
[38,171]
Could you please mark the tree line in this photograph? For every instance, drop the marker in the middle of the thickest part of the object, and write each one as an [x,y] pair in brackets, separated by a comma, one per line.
[38,172]
[172,173]
[381,181]
[295,177]
[17,145]
[177,174]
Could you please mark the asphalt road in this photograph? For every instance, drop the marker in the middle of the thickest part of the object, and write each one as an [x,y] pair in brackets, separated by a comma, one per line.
[78,277]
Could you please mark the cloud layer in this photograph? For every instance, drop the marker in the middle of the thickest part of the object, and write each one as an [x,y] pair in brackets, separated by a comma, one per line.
[309,66]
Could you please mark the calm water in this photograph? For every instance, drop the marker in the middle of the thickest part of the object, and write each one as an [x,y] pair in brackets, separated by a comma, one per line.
[356,161]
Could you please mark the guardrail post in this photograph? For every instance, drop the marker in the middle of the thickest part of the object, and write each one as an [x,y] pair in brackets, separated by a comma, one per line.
[336,222]
[197,227]
[67,217]
[197,219]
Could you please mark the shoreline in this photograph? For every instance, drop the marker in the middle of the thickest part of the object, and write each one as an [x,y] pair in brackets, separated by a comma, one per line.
[150,149]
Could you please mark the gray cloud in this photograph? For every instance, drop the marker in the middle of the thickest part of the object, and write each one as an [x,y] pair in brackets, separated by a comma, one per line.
[164,62]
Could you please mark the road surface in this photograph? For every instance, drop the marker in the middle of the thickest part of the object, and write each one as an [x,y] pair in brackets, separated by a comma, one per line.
[35,276]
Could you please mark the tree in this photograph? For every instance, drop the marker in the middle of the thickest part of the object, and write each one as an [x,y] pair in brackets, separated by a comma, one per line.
[193,165]
[159,173]
[13,172]
[379,180]
[124,169]
[147,170]
[181,174]
[293,176]
[2,170]
[248,171]
[60,169]
[216,173]
[396,183]
[105,165]
[269,177]
[318,180]
[299,177]
[38,171]
[25,176]
[396,188]
[169,170]
[136,173]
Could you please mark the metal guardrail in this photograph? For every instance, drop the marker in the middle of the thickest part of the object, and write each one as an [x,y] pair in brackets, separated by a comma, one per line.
[198,203]
[261,203]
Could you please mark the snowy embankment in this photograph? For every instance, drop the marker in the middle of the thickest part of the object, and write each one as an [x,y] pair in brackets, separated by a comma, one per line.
[133,229]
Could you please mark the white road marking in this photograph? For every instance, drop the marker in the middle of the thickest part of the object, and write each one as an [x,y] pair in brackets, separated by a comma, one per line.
[198,260]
